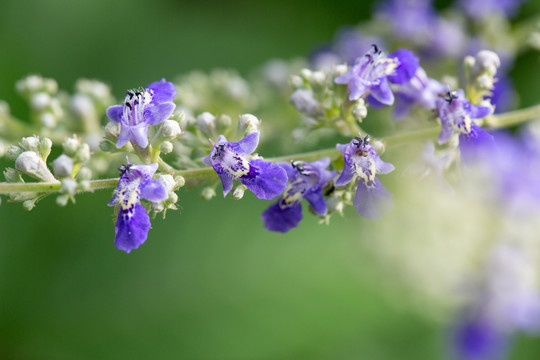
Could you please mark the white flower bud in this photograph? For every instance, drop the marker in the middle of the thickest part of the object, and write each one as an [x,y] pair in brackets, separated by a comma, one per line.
[296,81]
[168,182]
[340,69]
[62,199]
[166,147]
[469,62]
[157,206]
[84,173]
[248,123]
[63,166]
[112,130]
[69,186]
[306,74]
[71,145]
[206,122]
[45,146]
[318,78]
[170,129]
[224,122]
[83,153]
[50,86]
[173,198]
[47,120]
[12,176]
[40,101]
[30,143]
[29,204]
[359,110]
[488,61]
[208,193]
[32,164]
[13,152]
[84,185]
[485,82]
[304,100]
[238,192]
[180,181]
[4,107]
[83,106]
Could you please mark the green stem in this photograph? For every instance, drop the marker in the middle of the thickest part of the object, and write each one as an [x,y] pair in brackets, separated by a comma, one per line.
[196,177]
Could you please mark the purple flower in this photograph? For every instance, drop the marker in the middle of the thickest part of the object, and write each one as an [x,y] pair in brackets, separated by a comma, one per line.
[369,76]
[410,19]
[372,199]
[229,159]
[420,90]
[483,9]
[350,43]
[133,222]
[141,108]
[456,114]
[306,181]
[477,338]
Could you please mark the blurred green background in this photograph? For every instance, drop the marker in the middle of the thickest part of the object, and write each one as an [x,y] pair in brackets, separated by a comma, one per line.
[209,283]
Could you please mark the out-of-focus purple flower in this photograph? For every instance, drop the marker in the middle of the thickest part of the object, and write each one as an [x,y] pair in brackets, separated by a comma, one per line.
[456,114]
[142,107]
[229,159]
[483,9]
[350,44]
[369,76]
[420,90]
[410,19]
[372,199]
[514,168]
[306,181]
[133,221]
[503,94]
[477,338]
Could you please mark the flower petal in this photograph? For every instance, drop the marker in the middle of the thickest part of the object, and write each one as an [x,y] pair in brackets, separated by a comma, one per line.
[226,181]
[266,179]
[383,93]
[408,64]
[164,91]
[131,228]
[316,200]
[372,202]
[282,219]
[158,113]
[475,145]
[115,113]
[247,145]
[153,190]
[139,135]
[123,138]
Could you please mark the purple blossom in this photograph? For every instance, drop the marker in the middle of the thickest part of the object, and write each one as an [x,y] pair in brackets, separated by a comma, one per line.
[229,159]
[483,9]
[420,90]
[369,76]
[409,19]
[456,114]
[477,338]
[142,107]
[306,181]
[133,222]
[372,199]
[350,43]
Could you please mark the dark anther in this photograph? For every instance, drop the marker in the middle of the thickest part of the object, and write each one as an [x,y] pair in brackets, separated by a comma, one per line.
[219,148]
[450,96]
[296,165]
[128,104]
[329,189]
[358,141]
[130,94]
[124,169]
[375,49]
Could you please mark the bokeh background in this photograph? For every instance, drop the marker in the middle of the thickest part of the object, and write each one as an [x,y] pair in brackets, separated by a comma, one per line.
[210,283]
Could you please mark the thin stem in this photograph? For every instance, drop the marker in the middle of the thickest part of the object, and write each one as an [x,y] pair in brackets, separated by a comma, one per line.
[195,177]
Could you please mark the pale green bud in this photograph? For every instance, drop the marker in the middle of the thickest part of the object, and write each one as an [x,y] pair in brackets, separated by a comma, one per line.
[206,122]
[167,147]
[248,123]
[238,192]
[180,181]
[12,176]
[47,120]
[30,143]
[45,146]
[69,186]
[71,145]
[62,199]
[208,193]
[32,164]
[84,173]
[83,153]
[40,101]
[223,123]
[29,204]
[13,152]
